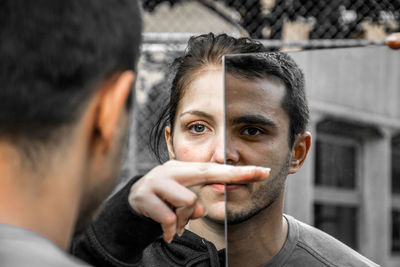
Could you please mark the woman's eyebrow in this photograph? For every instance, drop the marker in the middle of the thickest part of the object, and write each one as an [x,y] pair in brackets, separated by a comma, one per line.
[252,119]
[197,113]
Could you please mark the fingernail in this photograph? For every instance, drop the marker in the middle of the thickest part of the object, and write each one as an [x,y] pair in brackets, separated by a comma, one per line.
[205,213]
[264,169]
[168,239]
[249,168]
[180,232]
[391,38]
[253,168]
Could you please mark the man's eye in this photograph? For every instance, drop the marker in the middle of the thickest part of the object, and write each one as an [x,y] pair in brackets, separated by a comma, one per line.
[252,131]
[197,128]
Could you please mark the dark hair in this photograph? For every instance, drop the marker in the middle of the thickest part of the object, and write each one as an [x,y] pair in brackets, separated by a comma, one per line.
[208,49]
[280,65]
[54,54]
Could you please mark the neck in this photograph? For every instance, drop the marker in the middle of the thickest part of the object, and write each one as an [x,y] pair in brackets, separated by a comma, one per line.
[210,230]
[259,239]
[45,202]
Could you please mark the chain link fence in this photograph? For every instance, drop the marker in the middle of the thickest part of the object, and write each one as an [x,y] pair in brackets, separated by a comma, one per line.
[276,19]
[168,24]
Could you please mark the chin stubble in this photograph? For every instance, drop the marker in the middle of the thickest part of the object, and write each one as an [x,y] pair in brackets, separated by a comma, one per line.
[263,198]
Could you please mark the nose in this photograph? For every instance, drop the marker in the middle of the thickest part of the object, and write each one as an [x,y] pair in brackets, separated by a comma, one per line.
[224,150]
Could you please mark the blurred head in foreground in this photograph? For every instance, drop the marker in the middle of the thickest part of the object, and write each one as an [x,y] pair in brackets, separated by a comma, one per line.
[66,75]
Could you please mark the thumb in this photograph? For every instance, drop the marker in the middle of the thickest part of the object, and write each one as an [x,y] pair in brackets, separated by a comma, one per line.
[198,212]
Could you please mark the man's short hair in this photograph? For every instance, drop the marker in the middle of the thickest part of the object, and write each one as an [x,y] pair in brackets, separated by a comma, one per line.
[54,54]
[281,65]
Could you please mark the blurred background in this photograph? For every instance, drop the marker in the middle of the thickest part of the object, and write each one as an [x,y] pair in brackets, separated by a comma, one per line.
[336,191]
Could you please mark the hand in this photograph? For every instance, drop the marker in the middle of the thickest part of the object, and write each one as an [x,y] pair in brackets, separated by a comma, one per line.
[162,194]
[393,41]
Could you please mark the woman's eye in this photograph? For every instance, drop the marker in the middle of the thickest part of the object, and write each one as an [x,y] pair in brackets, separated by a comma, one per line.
[252,131]
[197,128]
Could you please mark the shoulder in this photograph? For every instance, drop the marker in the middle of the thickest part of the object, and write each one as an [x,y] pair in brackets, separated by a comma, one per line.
[20,247]
[319,246]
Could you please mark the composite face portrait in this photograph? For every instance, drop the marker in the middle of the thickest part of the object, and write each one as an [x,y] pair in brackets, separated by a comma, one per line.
[256,133]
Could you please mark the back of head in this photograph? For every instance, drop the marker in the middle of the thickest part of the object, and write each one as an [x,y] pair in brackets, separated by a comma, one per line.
[54,54]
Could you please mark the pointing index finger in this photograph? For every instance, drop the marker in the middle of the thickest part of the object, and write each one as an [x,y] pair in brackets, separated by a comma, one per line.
[204,173]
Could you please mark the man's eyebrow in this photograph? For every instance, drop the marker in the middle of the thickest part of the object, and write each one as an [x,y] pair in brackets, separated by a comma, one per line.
[197,113]
[252,119]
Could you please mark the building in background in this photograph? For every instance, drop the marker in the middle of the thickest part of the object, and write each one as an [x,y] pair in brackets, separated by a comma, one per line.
[349,185]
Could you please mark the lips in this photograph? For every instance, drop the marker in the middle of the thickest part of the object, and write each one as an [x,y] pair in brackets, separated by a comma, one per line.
[220,188]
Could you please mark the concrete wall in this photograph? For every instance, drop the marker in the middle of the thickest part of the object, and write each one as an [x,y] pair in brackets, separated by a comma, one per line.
[364,81]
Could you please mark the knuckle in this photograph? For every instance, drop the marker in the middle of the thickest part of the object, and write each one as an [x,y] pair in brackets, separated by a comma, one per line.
[131,200]
[157,170]
[164,164]
[169,219]
[139,193]
[133,194]
[152,177]
[169,163]
[203,169]
[138,196]
[190,200]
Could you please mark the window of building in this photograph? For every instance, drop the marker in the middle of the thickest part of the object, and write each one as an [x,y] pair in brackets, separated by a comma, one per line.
[337,175]
[338,221]
[396,165]
[396,231]
[396,195]
[336,163]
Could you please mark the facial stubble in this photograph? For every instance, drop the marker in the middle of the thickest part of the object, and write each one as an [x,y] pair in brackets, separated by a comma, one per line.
[263,198]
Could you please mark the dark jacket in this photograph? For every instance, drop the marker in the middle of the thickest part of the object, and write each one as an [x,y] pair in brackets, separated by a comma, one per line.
[121,237]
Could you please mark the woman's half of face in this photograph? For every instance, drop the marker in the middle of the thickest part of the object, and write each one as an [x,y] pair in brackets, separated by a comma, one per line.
[198,134]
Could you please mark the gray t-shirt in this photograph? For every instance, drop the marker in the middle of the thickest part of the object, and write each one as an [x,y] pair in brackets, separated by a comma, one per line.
[21,247]
[307,246]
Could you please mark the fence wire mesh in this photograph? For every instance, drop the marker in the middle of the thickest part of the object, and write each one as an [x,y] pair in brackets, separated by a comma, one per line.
[276,19]
[277,23]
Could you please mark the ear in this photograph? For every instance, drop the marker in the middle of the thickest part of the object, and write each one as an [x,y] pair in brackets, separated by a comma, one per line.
[300,150]
[168,140]
[111,104]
